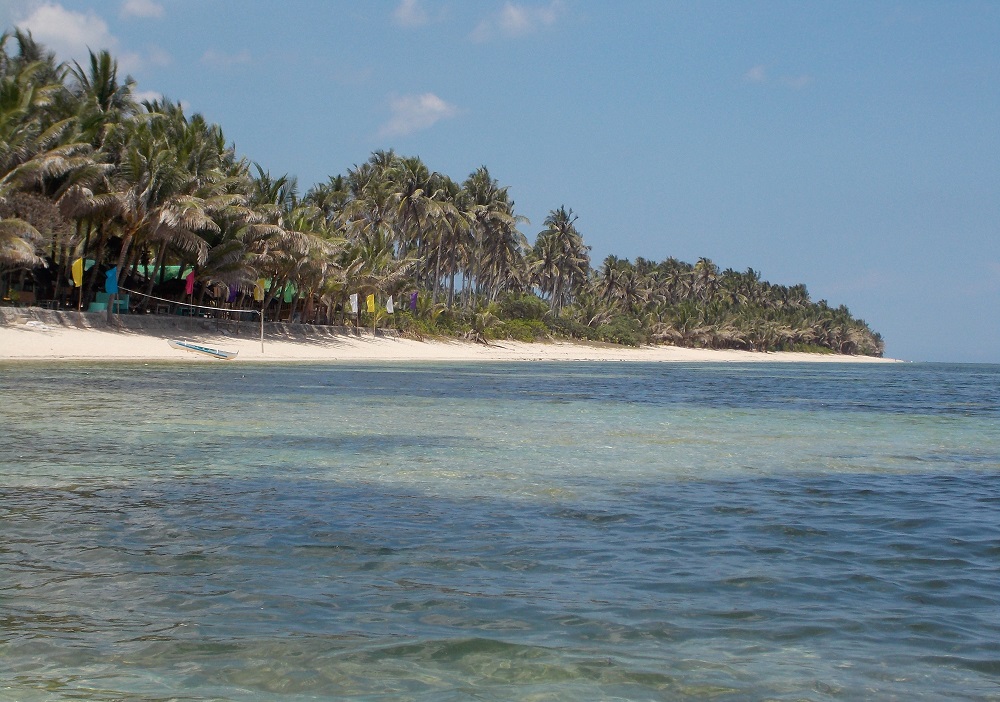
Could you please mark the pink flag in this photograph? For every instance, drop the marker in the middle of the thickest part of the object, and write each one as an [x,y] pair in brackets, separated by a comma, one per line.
[189,288]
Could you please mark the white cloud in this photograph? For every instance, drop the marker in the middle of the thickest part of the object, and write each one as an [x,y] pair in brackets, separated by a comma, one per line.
[141,8]
[413,113]
[158,56]
[410,14]
[146,95]
[129,62]
[515,20]
[757,74]
[219,59]
[797,82]
[70,34]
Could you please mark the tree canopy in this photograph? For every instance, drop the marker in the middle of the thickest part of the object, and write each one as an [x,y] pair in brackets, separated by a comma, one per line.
[87,172]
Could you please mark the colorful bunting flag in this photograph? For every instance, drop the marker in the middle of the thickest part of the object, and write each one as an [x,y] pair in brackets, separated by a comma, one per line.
[111,281]
[78,272]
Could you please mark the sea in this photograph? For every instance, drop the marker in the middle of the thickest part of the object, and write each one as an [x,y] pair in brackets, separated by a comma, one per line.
[524,531]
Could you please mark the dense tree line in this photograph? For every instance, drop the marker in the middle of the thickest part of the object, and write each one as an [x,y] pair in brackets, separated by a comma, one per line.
[87,172]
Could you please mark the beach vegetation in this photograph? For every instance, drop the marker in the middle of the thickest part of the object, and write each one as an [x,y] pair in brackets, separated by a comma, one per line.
[159,197]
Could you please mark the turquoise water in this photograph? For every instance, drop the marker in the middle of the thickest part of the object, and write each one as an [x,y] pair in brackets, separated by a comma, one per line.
[499,532]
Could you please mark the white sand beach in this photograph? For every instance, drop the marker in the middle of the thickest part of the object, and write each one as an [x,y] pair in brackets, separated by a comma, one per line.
[43,336]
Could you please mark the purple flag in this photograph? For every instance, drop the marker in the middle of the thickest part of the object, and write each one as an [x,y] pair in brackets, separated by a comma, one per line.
[413,300]
[232,295]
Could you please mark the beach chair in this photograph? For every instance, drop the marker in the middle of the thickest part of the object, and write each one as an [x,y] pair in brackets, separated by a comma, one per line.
[120,305]
[22,298]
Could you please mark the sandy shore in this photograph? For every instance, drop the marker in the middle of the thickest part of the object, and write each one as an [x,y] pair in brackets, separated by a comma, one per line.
[62,337]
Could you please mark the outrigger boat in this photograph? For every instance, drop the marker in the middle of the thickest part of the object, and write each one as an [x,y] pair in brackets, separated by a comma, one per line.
[215,353]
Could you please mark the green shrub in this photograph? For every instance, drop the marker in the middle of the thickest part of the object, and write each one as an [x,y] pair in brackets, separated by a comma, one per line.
[522,306]
[570,328]
[624,331]
[810,348]
[518,330]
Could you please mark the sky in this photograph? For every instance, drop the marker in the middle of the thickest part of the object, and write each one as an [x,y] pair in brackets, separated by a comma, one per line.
[852,146]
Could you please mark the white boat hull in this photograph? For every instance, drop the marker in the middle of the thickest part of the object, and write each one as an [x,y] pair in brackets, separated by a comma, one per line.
[206,350]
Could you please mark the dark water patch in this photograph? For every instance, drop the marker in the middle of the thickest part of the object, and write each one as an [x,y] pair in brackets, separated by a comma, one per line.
[296,571]
[593,517]
[337,443]
[986,666]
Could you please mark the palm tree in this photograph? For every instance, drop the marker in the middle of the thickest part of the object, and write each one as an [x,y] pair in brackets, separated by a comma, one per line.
[271,231]
[376,269]
[561,261]
[40,153]
[165,187]
[331,197]
[454,240]
[29,53]
[415,201]
[706,279]
[309,253]
[369,214]
[500,247]
[104,102]
[608,281]
[21,144]
[19,243]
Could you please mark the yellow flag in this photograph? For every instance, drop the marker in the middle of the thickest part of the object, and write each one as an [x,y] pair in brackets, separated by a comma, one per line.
[371,303]
[78,272]
[258,290]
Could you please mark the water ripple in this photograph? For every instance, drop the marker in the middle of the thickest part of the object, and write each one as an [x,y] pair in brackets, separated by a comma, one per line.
[358,553]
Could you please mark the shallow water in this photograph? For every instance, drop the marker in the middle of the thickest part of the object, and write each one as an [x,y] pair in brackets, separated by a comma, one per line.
[499,532]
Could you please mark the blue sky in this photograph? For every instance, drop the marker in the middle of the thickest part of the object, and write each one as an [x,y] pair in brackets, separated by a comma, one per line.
[850,146]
